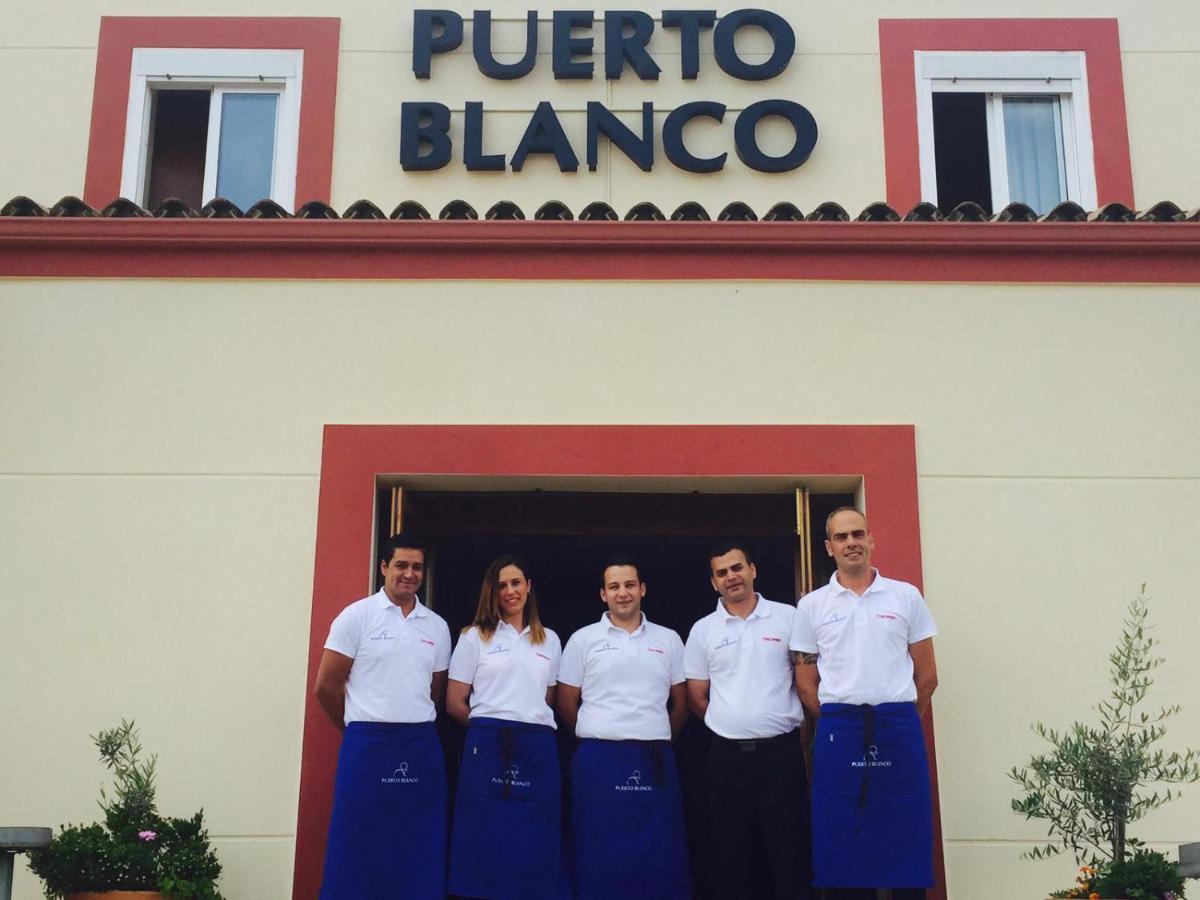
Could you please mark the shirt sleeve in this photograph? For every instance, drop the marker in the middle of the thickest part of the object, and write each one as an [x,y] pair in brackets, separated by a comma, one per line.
[345,633]
[695,659]
[920,620]
[804,639]
[441,660]
[465,658]
[555,657]
[570,668]
[676,659]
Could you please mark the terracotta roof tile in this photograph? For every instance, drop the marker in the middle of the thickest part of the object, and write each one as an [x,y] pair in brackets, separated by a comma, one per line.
[555,210]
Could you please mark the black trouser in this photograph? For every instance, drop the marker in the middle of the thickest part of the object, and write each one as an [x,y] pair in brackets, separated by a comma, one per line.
[759,817]
[871,894]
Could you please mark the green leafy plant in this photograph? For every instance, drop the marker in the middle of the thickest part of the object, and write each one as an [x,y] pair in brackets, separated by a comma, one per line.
[1097,779]
[136,849]
[1143,875]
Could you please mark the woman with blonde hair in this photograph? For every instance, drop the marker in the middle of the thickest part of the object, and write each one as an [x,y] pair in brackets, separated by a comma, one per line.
[507,835]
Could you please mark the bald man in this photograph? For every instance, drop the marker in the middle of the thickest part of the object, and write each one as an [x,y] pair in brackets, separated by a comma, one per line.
[862,650]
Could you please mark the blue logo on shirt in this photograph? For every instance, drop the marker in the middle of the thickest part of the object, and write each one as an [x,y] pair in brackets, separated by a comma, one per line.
[605,648]
[834,619]
[497,649]
[383,636]
[726,642]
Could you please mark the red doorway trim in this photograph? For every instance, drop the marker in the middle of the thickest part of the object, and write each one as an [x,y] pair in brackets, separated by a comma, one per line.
[353,455]
[1048,252]
[1098,38]
[119,35]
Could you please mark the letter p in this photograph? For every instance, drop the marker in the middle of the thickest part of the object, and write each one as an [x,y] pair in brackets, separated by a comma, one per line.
[449,28]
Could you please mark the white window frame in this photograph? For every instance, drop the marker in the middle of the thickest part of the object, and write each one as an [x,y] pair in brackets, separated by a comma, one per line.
[1013,73]
[221,71]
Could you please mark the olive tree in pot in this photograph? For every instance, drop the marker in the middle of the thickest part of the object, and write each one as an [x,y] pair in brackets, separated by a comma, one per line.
[1098,779]
[136,852]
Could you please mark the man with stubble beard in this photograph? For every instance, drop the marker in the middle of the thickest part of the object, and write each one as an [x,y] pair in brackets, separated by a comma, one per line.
[739,681]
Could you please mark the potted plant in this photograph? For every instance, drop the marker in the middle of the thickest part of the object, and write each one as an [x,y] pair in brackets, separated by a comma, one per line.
[1097,779]
[136,852]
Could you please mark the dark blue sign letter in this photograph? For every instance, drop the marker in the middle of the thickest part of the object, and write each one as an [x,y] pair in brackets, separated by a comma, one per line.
[802,123]
[545,135]
[567,47]
[473,155]
[424,125]
[672,136]
[481,46]
[781,34]
[600,121]
[618,47]
[689,22]
[426,43]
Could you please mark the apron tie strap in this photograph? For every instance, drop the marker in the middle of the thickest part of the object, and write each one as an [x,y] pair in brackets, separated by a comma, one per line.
[506,744]
[868,712]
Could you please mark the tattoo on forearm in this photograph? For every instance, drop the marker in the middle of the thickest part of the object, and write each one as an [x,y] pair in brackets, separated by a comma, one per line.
[800,658]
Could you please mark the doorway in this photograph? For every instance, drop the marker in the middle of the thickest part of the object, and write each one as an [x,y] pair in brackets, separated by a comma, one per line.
[566,536]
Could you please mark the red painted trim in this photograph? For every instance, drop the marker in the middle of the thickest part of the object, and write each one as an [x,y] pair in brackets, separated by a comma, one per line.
[844,251]
[885,456]
[1098,38]
[119,35]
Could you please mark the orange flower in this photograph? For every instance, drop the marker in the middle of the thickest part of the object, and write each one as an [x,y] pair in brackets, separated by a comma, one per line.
[1093,896]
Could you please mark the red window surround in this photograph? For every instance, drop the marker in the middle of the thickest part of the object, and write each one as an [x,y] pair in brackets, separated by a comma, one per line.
[119,35]
[1098,38]
[353,455]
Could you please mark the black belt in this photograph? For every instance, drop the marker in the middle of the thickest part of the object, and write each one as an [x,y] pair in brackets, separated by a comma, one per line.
[752,745]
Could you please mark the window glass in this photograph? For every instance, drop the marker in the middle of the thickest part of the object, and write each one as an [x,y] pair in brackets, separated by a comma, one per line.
[247,147]
[1034,145]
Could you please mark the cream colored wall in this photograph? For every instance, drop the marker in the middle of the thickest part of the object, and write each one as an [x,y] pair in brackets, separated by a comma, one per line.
[161,454]
[47,51]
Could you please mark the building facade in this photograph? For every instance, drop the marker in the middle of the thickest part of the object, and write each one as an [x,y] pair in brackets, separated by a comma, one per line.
[212,410]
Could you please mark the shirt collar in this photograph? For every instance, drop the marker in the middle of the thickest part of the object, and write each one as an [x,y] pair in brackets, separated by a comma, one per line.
[384,602]
[839,588]
[606,620]
[504,626]
[761,610]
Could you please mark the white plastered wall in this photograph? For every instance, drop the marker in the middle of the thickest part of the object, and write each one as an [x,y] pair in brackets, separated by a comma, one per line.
[47,57]
[161,448]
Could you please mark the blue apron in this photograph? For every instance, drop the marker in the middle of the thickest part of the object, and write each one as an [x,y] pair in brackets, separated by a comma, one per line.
[627,834]
[387,833]
[872,816]
[507,834]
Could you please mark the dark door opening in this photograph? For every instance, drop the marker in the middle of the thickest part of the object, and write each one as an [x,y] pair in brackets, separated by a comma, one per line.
[566,538]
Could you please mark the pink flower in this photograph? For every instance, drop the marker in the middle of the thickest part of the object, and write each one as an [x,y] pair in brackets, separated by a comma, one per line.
[147,835]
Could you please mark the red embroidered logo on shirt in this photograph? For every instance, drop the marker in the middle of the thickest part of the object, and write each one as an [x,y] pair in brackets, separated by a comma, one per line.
[655,650]
[773,640]
[542,656]
[884,616]
[427,641]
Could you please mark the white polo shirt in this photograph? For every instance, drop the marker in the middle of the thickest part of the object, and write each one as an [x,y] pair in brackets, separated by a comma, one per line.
[508,674]
[625,678]
[862,642]
[751,693]
[394,656]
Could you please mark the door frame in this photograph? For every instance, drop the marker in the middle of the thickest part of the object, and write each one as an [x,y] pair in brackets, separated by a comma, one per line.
[355,456]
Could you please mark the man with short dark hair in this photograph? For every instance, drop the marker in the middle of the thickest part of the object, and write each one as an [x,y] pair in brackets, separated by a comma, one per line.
[863,653]
[621,688]
[739,681]
[382,679]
